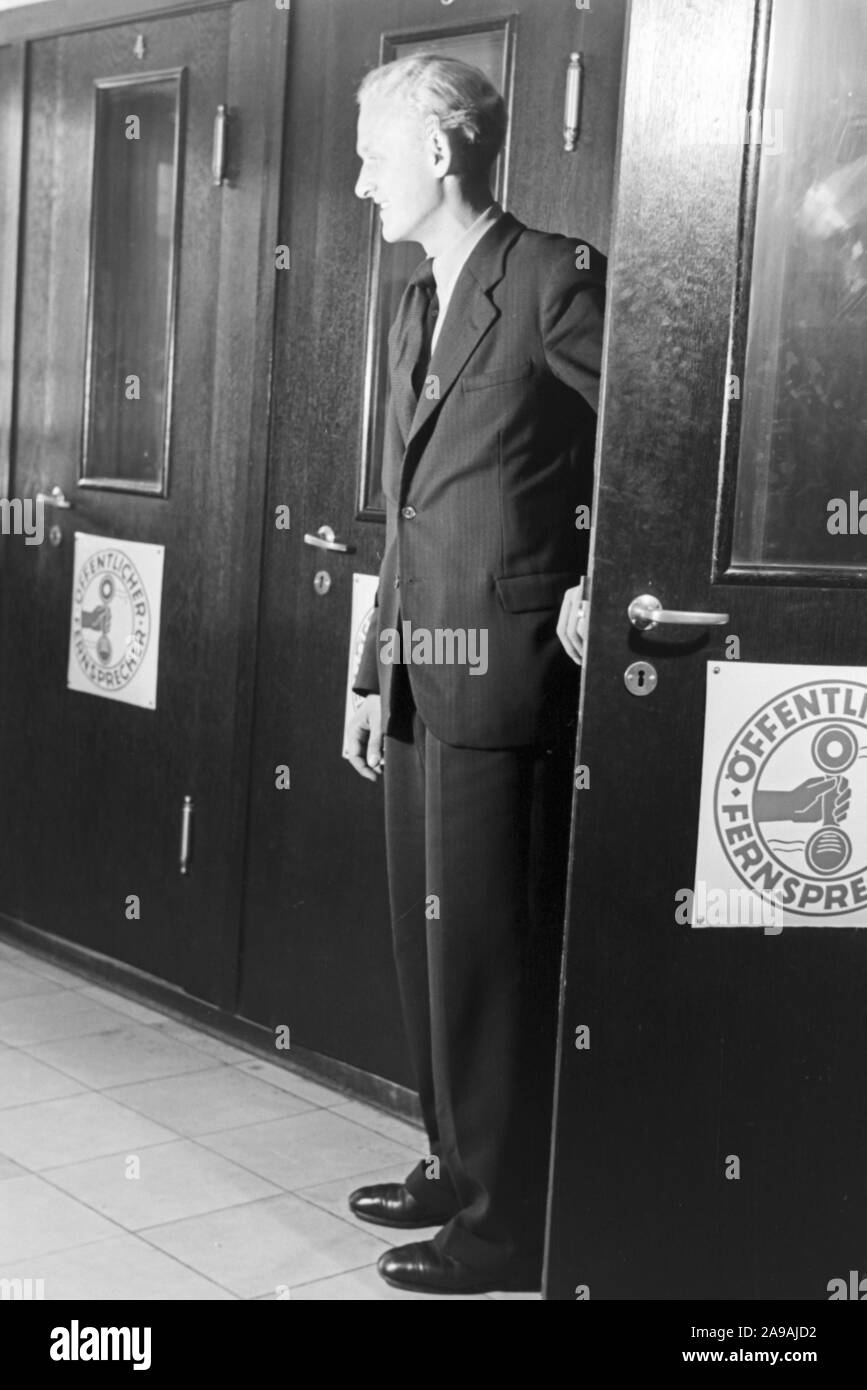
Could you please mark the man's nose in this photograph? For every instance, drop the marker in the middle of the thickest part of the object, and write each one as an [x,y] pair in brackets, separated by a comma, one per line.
[362,186]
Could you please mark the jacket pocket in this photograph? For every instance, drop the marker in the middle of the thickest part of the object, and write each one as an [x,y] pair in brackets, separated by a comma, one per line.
[520,593]
[516,371]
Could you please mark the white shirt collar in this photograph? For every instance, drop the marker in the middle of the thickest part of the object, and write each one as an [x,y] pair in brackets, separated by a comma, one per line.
[448,265]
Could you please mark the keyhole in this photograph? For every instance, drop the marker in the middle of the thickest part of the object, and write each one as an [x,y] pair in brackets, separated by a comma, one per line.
[640,678]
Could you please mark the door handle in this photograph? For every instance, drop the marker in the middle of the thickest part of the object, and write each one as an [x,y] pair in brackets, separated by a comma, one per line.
[646,612]
[325,540]
[187,811]
[218,154]
[54,498]
[572,113]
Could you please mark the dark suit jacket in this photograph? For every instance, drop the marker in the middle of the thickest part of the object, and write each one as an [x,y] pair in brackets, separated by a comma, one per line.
[482,480]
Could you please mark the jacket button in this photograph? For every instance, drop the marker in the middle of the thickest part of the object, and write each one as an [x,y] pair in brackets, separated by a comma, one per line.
[407,513]
[397,581]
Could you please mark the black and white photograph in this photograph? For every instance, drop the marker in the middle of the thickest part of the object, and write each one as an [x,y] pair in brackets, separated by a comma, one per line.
[433,667]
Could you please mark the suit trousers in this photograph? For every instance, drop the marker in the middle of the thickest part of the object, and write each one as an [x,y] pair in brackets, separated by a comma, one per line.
[477,846]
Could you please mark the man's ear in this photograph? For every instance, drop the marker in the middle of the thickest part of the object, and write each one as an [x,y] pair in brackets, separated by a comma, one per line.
[439,146]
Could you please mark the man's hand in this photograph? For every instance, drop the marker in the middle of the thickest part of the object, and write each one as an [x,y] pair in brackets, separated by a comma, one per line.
[806,803]
[572,623]
[365,739]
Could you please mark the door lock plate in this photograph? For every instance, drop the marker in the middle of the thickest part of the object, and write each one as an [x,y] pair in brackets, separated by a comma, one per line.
[322,582]
[640,678]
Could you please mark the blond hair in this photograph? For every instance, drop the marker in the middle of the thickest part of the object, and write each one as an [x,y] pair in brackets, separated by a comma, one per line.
[459,96]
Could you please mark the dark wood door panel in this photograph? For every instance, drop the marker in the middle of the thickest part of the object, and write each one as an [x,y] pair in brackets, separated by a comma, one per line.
[90,808]
[108,779]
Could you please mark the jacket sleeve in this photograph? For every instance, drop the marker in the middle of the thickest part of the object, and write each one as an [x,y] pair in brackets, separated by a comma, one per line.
[573,308]
[367,678]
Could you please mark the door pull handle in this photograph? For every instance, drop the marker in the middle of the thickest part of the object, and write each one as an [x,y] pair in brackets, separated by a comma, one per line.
[647,612]
[186,834]
[218,153]
[572,112]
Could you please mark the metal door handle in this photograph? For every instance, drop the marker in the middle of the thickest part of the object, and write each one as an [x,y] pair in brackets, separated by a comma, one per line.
[54,498]
[325,540]
[646,612]
[187,811]
[572,112]
[218,153]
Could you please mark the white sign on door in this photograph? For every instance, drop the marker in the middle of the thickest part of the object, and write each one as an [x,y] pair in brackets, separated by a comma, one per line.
[115,622]
[363,613]
[783,817]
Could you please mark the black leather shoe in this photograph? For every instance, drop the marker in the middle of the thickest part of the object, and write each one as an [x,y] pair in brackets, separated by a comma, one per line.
[424,1268]
[392,1204]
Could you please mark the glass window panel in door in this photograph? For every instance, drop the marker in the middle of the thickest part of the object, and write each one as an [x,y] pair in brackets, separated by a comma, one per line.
[802,471]
[133,257]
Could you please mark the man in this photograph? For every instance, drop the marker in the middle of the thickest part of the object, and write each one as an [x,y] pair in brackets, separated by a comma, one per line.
[494,360]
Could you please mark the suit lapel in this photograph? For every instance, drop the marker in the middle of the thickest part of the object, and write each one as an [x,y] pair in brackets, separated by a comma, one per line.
[469,317]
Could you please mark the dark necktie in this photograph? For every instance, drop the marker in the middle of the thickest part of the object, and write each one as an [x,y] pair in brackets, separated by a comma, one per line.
[422,309]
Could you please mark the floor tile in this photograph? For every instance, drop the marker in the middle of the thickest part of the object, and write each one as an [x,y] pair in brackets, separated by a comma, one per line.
[38,1219]
[140,1013]
[204,1101]
[14,954]
[8,1169]
[58,974]
[365,1285]
[298,1151]
[176,1180]
[132,1053]
[88,1125]
[215,1048]
[24,1079]
[47,1017]
[263,1246]
[16,983]
[213,1210]
[124,1267]
[313,1091]
[401,1131]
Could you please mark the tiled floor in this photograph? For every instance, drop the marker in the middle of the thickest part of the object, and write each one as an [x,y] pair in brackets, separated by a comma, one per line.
[142,1159]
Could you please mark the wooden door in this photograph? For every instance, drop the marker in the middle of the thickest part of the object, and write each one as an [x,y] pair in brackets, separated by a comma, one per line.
[138,396]
[710,1134]
[317,953]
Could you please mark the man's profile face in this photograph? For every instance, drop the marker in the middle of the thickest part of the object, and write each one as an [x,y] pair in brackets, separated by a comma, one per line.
[398,168]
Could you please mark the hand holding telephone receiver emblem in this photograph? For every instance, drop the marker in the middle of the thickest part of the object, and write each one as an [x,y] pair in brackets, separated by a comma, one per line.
[829,849]
[99,619]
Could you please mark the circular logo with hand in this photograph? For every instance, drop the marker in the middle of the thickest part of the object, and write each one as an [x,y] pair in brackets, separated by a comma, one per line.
[784,798]
[111,621]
